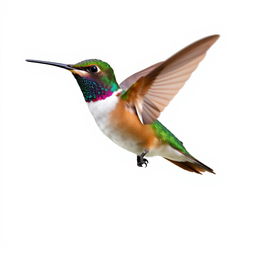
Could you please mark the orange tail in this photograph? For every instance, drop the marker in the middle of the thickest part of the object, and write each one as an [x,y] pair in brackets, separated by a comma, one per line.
[197,166]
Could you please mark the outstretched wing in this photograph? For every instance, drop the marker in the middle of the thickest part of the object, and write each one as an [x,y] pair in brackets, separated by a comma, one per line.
[152,90]
[129,81]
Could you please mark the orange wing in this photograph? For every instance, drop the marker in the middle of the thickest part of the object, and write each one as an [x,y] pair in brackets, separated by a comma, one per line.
[153,88]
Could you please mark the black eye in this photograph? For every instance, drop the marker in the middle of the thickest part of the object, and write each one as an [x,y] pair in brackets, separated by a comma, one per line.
[92,69]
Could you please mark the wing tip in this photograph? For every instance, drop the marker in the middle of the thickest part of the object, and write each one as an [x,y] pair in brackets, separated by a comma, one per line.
[211,39]
[215,36]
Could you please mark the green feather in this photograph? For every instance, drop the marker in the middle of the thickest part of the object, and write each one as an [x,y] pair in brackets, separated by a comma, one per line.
[108,77]
[166,136]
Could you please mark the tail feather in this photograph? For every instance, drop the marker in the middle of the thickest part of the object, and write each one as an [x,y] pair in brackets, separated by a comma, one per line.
[195,166]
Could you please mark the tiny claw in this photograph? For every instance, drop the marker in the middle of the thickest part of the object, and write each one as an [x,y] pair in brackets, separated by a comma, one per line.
[142,162]
[145,163]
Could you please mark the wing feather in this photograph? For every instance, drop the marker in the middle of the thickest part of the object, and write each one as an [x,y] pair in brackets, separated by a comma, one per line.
[129,81]
[156,86]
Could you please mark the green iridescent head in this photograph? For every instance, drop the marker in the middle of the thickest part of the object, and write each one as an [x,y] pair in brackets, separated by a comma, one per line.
[96,78]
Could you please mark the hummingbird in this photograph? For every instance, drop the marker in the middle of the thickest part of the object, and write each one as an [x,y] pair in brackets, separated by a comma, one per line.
[128,112]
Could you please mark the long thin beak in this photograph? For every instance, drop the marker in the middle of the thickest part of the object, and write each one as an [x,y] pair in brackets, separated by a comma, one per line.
[60,65]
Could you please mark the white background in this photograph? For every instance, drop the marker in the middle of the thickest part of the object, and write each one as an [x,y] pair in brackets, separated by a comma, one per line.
[66,189]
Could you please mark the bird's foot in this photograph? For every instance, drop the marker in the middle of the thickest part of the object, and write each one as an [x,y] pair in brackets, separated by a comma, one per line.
[142,162]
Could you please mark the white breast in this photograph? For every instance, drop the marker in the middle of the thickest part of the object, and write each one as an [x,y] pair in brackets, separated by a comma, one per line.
[100,109]
[101,112]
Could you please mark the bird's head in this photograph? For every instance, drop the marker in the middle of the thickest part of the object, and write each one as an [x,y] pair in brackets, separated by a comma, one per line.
[96,78]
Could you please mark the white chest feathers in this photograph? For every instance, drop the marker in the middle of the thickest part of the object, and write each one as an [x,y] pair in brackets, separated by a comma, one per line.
[101,112]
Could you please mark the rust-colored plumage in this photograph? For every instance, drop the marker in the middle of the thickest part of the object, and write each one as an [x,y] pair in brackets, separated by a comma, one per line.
[196,167]
[133,129]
